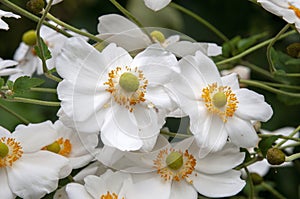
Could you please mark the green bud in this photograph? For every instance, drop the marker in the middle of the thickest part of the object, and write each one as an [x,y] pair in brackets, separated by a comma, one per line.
[54,147]
[35,6]
[29,37]
[275,156]
[158,36]
[256,178]
[129,82]
[174,160]
[3,150]
[293,50]
[219,99]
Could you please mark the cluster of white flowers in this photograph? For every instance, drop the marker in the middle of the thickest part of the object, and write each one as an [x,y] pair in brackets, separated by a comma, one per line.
[114,105]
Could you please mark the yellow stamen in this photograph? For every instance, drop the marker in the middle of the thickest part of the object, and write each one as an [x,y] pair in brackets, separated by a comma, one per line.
[13,153]
[220,100]
[110,196]
[295,9]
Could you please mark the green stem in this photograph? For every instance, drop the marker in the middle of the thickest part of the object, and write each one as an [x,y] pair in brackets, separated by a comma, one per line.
[268,88]
[201,20]
[280,85]
[273,191]
[177,135]
[251,194]
[73,29]
[33,101]
[126,13]
[290,135]
[250,50]
[53,77]
[258,69]
[281,137]
[32,17]
[36,89]
[290,145]
[292,157]
[244,165]
[271,64]
[19,117]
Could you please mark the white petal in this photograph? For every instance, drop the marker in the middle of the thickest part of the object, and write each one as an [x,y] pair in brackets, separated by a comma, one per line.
[95,186]
[35,136]
[218,185]
[55,1]
[77,191]
[252,106]
[181,190]
[153,186]
[221,161]
[7,63]
[4,132]
[36,174]
[241,132]
[260,167]
[231,80]
[117,29]
[5,190]
[156,4]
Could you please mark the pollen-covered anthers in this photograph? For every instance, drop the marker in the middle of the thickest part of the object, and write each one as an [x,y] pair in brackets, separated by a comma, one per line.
[220,100]
[123,95]
[295,9]
[11,151]
[109,195]
[167,173]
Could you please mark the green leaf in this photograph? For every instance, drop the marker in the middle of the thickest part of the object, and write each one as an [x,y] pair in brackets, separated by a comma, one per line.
[246,43]
[229,48]
[1,82]
[10,84]
[266,143]
[45,50]
[23,84]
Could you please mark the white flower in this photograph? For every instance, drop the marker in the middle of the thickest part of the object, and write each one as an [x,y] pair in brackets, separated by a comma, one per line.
[262,167]
[110,185]
[29,62]
[123,97]
[117,29]
[55,1]
[174,172]
[217,107]
[26,170]
[156,5]
[4,71]
[4,25]
[289,10]
[77,147]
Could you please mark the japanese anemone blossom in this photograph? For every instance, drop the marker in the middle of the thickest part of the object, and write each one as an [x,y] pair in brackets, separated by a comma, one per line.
[123,97]
[289,10]
[118,29]
[217,107]
[26,170]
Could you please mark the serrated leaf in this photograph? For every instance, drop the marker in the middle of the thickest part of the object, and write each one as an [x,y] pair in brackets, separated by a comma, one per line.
[23,84]
[266,143]
[1,82]
[45,50]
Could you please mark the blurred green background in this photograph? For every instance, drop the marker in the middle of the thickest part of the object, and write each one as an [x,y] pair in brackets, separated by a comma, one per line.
[232,17]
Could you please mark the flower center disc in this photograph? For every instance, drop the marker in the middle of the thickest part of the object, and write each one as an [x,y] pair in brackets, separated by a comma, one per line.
[174,160]
[129,82]
[10,151]
[61,146]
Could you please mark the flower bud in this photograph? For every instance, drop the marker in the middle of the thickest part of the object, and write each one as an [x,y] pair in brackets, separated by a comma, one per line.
[275,156]
[35,6]
[293,50]
[174,160]
[256,178]
[29,38]
[3,150]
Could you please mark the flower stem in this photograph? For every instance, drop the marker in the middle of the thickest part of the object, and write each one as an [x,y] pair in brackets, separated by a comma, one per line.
[36,89]
[251,193]
[290,145]
[19,117]
[177,135]
[290,135]
[244,165]
[73,29]
[126,13]
[268,88]
[258,69]
[271,64]
[292,157]
[32,17]
[200,19]
[273,191]
[252,49]
[280,136]
[33,101]
[280,85]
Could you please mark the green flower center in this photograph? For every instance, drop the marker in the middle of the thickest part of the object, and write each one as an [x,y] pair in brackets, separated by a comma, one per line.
[219,99]
[54,147]
[174,160]
[3,150]
[29,38]
[129,82]
[158,36]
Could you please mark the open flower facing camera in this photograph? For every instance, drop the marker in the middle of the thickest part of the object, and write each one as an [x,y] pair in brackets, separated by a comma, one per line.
[130,107]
